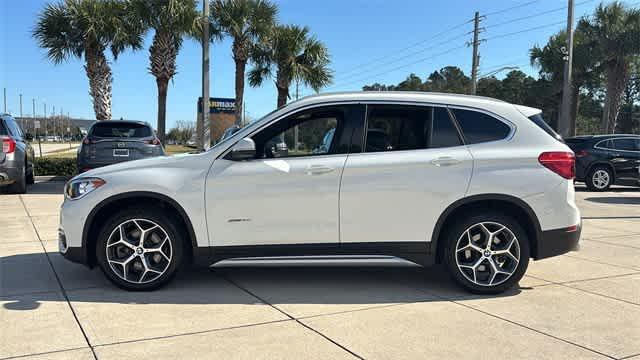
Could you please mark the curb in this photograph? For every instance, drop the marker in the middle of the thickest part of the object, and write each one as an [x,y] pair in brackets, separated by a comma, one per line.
[52,178]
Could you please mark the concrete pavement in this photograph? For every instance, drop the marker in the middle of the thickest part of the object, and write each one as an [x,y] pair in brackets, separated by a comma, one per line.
[585,304]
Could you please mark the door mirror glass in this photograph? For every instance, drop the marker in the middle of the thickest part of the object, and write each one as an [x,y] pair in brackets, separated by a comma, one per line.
[243,150]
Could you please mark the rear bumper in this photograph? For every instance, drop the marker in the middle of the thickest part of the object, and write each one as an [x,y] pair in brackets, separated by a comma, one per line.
[8,175]
[558,241]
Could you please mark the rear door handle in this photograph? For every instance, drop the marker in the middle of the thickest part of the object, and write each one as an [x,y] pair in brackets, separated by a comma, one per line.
[318,169]
[445,161]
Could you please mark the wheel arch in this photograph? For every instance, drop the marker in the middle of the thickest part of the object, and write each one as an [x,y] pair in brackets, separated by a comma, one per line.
[511,205]
[602,163]
[99,214]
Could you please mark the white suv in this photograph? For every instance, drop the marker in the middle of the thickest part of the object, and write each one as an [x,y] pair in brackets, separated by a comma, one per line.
[476,184]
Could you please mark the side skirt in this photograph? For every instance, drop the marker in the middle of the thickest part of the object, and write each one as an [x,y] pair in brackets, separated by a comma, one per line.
[416,252]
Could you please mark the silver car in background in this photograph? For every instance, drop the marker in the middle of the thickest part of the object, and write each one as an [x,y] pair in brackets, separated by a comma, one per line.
[115,141]
[16,158]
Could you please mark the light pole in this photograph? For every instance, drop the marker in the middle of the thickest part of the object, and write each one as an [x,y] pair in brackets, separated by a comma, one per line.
[565,125]
[204,130]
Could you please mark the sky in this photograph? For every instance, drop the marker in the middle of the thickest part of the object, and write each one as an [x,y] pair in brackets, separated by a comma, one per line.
[369,41]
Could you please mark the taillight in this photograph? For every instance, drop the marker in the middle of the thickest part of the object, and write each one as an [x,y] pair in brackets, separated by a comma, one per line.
[560,162]
[155,141]
[582,153]
[8,145]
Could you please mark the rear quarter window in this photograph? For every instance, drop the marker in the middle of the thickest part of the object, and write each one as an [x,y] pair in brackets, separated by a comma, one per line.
[539,121]
[478,127]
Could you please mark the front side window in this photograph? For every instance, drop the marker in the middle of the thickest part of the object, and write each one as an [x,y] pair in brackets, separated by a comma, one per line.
[478,127]
[310,133]
[396,128]
[626,144]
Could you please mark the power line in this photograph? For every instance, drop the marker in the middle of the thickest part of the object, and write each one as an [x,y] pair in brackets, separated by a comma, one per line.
[447,41]
[512,8]
[402,66]
[534,15]
[368,63]
[525,30]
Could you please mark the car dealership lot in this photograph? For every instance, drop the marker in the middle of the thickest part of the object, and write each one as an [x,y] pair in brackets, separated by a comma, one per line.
[585,304]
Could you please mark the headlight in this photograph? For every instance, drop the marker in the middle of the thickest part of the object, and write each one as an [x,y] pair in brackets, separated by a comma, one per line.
[75,189]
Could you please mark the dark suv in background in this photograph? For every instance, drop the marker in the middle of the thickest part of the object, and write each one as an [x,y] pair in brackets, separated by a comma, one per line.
[16,158]
[604,160]
[114,141]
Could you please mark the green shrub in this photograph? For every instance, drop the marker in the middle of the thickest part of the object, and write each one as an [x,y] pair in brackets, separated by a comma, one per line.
[55,166]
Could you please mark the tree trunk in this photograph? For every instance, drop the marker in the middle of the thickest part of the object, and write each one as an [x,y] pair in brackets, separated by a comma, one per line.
[162,61]
[100,79]
[616,73]
[163,84]
[240,69]
[283,95]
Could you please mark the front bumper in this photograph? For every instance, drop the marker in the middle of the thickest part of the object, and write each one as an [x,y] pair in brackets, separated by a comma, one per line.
[558,241]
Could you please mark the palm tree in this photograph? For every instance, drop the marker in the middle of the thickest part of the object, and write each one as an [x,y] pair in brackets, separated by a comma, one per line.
[171,21]
[294,55]
[86,28]
[614,32]
[246,22]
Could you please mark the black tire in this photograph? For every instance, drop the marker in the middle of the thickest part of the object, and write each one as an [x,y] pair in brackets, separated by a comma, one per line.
[591,182]
[31,178]
[459,228]
[170,227]
[20,186]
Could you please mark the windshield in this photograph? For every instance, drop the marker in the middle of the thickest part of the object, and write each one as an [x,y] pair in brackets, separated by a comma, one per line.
[112,129]
[538,120]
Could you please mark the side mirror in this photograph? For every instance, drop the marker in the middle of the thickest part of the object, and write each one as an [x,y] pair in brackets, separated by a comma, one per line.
[28,136]
[243,150]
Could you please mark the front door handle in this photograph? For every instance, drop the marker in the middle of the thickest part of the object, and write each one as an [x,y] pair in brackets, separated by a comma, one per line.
[318,169]
[445,161]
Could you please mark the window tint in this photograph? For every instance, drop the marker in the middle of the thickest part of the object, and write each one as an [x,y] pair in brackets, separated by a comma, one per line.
[478,127]
[538,120]
[443,133]
[626,144]
[14,130]
[3,129]
[113,129]
[314,131]
[392,127]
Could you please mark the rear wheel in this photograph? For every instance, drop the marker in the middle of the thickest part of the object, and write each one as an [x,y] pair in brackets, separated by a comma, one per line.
[600,178]
[140,249]
[487,253]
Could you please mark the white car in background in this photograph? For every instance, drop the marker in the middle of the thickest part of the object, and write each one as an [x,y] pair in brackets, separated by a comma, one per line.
[477,184]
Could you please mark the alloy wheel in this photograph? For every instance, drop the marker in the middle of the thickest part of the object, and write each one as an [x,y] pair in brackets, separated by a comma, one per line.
[139,251]
[487,253]
[601,179]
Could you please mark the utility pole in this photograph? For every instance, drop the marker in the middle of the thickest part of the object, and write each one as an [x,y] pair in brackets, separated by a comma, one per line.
[24,123]
[203,129]
[476,58]
[566,125]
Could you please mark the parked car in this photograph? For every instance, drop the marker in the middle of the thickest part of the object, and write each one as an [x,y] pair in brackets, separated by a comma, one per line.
[16,158]
[115,141]
[605,160]
[470,182]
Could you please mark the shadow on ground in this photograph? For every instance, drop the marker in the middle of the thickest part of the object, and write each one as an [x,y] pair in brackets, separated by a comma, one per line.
[378,285]
[621,200]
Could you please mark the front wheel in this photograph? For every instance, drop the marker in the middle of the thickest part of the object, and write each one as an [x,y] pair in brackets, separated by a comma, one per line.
[140,249]
[487,253]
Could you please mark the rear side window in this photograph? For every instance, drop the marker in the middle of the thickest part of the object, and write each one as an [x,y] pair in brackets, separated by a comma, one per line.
[538,120]
[395,127]
[112,129]
[626,144]
[478,127]
[3,129]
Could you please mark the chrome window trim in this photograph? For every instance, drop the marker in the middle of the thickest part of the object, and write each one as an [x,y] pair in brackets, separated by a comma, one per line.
[249,131]
[597,145]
